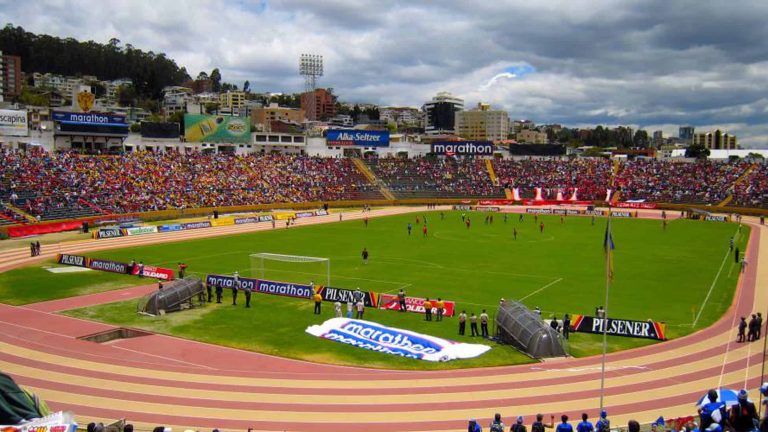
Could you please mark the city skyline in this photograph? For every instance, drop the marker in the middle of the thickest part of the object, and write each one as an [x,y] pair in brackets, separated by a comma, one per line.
[656,65]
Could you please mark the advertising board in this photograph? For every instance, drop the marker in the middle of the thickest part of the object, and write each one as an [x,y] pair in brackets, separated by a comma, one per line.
[619,327]
[219,129]
[360,138]
[462,148]
[13,123]
[413,304]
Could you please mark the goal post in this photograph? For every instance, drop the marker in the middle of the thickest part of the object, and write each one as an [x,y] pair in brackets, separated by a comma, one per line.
[295,269]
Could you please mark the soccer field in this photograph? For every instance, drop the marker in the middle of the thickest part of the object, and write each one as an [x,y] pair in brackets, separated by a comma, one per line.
[665,275]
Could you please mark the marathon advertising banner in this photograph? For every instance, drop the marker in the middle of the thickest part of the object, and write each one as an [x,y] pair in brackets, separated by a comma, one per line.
[377,337]
[567,212]
[359,138]
[321,212]
[462,207]
[72,260]
[229,282]
[539,210]
[344,295]
[196,225]
[462,148]
[13,123]
[304,214]
[413,304]
[623,214]
[247,220]
[487,209]
[619,327]
[285,289]
[169,228]
[108,266]
[266,218]
[716,218]
[140,230]
[594,212]
[153,272]
[635,205]
[107,233]
[90,118]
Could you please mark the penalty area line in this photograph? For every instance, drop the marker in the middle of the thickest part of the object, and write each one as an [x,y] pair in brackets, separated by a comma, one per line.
[541,289]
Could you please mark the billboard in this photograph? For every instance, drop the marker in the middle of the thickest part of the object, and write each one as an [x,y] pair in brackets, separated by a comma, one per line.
[219,129]
[462,148]
[159,130]
[90,119]
[619,327]
[340,137]
[13,123]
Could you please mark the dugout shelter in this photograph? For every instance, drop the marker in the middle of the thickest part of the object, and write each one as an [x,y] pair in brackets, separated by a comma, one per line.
[175,296]
[518,326]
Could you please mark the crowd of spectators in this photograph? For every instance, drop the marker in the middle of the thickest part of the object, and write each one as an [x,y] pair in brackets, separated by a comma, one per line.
[705,182]
[146,181]
[45,184]
[440,177]
[753,191]
[590,176]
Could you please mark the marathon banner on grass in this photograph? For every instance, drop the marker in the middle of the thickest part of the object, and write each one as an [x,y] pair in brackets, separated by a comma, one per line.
[619,327]
[487,209]
[140,230]
[108,266]
[717,218]
[154,272]
[226,281]
[414,304]
[635,205]
[389,340]
[343,295]
[72,260]
[285,289]
[196,225]
[107,233]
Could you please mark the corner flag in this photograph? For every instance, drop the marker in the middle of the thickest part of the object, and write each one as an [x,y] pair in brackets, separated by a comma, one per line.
[608,246]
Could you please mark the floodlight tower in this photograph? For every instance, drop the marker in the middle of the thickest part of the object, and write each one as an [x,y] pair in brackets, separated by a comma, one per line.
[311,68]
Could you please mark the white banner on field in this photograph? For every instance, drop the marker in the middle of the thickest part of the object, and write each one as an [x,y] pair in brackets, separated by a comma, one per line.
[377,337]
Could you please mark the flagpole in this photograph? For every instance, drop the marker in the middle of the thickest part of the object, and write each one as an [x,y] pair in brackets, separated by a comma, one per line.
[608,253]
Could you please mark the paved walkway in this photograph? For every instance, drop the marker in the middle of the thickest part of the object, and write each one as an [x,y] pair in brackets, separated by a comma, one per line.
[156,379]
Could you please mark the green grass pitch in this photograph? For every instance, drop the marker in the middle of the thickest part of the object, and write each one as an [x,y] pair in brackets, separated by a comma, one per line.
[660,274]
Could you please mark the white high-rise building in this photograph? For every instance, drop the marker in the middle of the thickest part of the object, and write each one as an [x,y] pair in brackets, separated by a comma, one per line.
[440,113]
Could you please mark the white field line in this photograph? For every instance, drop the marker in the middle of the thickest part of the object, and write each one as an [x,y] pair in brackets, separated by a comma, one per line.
[714,281]
[541,289]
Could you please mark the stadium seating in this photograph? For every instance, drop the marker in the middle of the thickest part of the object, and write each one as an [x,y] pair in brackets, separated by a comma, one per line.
[753,191]
[590,176]
[429,177]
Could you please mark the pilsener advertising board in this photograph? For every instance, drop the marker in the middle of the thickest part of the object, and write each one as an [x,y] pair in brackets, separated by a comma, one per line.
[461,148]
[220,129]
[338,137]
[13,123]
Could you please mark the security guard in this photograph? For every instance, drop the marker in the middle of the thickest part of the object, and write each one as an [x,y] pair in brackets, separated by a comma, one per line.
[219,292]
[209,288]
[247,297]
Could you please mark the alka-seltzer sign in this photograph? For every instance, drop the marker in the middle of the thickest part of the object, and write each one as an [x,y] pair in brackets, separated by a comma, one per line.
[462,148]
[619,327]
[339,137]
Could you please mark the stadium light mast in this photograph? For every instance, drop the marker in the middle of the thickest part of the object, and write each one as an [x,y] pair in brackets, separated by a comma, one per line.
[311,68]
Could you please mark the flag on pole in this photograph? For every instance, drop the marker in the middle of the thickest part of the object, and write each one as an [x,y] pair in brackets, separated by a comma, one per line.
[608,246]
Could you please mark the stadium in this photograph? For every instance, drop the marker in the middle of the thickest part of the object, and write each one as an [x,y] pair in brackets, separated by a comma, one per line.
[677,245]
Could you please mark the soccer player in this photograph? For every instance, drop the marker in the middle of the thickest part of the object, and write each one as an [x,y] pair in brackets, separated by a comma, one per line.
[365,221]
[410,227]
[468,222]
[506,216]
[514,233]
[424,230]
[541,227]
[428,309]
[365,256]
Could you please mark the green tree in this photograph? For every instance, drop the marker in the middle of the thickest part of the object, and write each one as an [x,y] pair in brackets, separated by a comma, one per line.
[755,156]
[126,95]
[697,151]
[202,76]
[215,80]
[640,139]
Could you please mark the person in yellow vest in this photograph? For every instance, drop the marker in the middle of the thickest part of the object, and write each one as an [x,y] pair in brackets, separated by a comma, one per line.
[318,299]
[440,305]
[428,309]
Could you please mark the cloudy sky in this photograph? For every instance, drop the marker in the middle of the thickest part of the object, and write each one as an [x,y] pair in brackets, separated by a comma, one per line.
[656,64]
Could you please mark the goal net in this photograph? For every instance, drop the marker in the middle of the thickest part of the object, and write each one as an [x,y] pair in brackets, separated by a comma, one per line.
[291,268]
